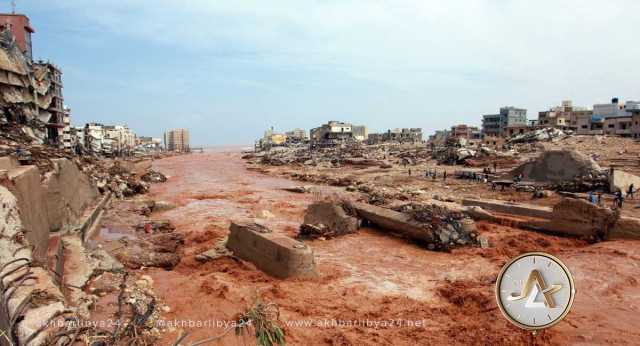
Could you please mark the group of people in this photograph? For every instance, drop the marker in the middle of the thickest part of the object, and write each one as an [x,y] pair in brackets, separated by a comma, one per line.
[433,174]
[618,197]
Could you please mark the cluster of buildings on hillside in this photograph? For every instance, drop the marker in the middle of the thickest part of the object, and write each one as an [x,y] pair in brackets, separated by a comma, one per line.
[31,97]
[335,133]
[615,118]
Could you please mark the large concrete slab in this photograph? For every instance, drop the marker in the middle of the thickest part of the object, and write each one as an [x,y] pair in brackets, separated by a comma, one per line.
[625,228]
[394,221]
[511,208]
[576,217]
[275,254]
[331,215]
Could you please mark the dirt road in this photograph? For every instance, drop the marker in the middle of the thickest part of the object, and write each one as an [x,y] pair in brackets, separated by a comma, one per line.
[373,289]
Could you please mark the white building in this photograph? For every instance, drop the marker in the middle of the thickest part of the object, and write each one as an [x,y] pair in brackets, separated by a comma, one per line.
[607,110]
[122,139]
[94,137]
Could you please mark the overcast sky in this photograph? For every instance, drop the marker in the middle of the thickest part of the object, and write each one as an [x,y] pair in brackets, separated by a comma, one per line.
[229,69]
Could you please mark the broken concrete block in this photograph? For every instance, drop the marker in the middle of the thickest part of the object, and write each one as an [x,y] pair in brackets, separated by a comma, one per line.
[510,208]
[332,216]
[625,228]
[477,213]
[580,218]
[275,254]
[484,242]
[163,206]
[394,221]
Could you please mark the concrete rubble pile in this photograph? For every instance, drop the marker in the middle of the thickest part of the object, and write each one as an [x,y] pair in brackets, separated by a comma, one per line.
[451,228]
[116,179]
[355,154]
[433,225]
[26,91]
[152,176]
[541,135]
[565,170]
[155,245]
[457,151]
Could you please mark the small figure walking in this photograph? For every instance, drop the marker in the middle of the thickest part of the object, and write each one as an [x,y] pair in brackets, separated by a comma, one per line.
[619,199]
[631,191]
[592,197]
[444,176]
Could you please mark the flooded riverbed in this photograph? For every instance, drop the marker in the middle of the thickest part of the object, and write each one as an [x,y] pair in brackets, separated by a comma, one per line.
[365,276]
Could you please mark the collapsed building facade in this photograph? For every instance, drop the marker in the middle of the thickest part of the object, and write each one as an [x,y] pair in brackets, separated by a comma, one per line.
[405,135]
[272,139]
[31,93]
[335,133]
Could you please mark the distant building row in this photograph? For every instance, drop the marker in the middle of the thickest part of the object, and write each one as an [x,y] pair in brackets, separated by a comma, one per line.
[336,133]
[615,118]
[112,140]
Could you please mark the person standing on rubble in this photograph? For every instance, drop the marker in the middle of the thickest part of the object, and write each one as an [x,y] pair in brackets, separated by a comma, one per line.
[444,176]
[592,197]
[619,199]
[631,191]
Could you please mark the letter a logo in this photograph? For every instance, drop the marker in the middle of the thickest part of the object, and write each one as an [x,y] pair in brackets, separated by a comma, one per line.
[535,285]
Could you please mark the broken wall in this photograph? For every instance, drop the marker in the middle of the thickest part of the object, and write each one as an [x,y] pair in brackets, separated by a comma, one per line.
[69,193]
[24,183]
[622,180]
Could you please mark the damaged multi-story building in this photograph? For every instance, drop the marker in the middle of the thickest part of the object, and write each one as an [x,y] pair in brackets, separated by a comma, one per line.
[405,135]
[30,92]
[564,117]
[498,125]
[296,136]
[336,133]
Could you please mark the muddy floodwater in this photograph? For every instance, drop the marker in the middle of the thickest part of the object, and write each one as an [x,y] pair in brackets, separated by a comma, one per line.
[373,288]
